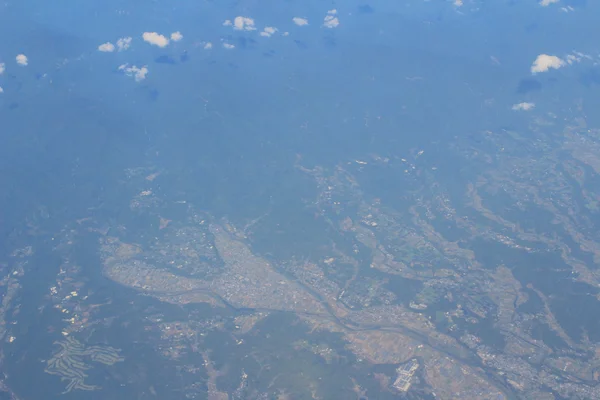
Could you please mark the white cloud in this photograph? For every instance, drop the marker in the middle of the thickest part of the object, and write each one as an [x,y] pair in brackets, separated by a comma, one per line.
[22,59]
[1,90]
[572,58]
[545,3]
[228,46]
[139,74]
[331,21]
[2,68]
[458,3]
[155,39]
[268,31]
[577,57]
[243,24]
[124,43]
[300,21]
[176,36]
[208,46]
[107,47]
[544,62]
[227,22]
[523,106]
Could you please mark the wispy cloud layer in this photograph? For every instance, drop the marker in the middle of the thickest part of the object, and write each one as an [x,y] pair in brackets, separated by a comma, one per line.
[523,106]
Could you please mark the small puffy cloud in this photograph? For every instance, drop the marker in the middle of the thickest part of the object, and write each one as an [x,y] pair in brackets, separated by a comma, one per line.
[208,46]
[227,22]
[300,21]
[107,47]
[139,74]
[243,24]
[124,43]
[331,21]
[2,68]
[155,39]
[176,36]
[523,106]
[22,60]
[544,62]
[458,3]
[268,31]
[1,90]
[228,46]
[545,3]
